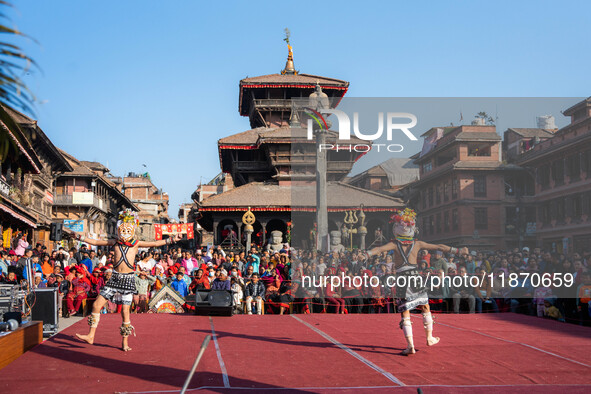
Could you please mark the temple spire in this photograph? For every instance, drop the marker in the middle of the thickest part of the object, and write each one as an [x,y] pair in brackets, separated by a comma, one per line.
[289,67]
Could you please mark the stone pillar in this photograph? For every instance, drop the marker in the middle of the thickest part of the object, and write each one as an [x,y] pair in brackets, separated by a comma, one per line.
[362,230]
[321,200]
[216,241]
[239,241]
[248,231]
[362,233]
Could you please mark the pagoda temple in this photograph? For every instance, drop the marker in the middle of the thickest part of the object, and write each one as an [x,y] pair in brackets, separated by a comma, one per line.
[273,166]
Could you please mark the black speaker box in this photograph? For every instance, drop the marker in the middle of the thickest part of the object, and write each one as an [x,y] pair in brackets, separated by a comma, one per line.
[220,298]
[213,303]
[55,233]
[44,306]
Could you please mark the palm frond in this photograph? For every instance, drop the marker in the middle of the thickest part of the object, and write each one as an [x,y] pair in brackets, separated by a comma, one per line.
[14,65]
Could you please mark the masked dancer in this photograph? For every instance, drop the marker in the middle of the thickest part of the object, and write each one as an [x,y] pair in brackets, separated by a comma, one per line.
[414,293]
[120,289]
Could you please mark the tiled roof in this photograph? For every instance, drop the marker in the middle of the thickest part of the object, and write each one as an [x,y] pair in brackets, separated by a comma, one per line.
[248,137]
[252,137]
[289,79]
[42,141]
[261,195]
[400,171]
[24,143]
[285,132]
[95,165]
[570,110]
[18,116]
[532,132]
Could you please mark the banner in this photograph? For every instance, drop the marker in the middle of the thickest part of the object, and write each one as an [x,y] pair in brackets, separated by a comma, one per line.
[83,198]
[173,228]
[74,225]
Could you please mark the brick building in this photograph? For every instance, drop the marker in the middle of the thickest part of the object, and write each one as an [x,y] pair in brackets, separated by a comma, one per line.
[221,183]
[536,192]
[517,141]
[460,197]
[562,168]
[87,199]
[151,201]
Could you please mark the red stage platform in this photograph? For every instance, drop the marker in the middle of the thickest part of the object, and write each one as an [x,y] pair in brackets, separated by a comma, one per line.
[311,353]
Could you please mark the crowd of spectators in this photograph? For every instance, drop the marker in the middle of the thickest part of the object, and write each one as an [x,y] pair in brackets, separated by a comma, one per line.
[272,282]
[80,273]
[492,292]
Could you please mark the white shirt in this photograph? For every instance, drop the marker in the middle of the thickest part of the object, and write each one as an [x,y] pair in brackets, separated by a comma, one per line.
[320,268]
[147,265]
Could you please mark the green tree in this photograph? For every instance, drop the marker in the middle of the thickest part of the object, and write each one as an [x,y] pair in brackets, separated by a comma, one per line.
[14,64]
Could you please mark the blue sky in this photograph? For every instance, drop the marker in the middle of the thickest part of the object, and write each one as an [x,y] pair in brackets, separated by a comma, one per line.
[151,82]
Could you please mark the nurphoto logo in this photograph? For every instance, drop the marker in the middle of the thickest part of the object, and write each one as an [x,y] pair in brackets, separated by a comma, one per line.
[344,128]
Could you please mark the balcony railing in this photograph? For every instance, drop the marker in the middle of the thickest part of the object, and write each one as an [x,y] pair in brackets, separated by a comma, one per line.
[83,200]
[272,103]
[250,165]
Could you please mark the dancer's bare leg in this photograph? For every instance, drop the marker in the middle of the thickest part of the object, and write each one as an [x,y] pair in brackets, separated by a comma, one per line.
[93,319]
[428,324]
[126,328]
[406,326]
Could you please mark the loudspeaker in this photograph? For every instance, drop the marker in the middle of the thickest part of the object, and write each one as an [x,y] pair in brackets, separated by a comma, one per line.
[213,303]
[44,308]
[55,233]
[220,298]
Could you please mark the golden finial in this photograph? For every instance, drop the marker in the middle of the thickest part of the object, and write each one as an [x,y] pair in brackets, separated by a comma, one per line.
[248,219]
[289,67]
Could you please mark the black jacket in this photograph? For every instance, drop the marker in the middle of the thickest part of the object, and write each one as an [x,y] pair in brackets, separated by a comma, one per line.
[252,290]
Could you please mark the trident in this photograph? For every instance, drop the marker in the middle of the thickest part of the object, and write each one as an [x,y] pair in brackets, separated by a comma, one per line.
[351,219]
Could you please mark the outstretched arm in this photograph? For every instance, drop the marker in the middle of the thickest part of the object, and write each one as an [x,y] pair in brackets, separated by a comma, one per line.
[162,242]
[95,242]
[441,247]
[380,249]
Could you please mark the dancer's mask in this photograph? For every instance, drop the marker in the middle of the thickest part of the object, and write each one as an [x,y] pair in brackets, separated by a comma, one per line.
[404,225]
[127,225]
